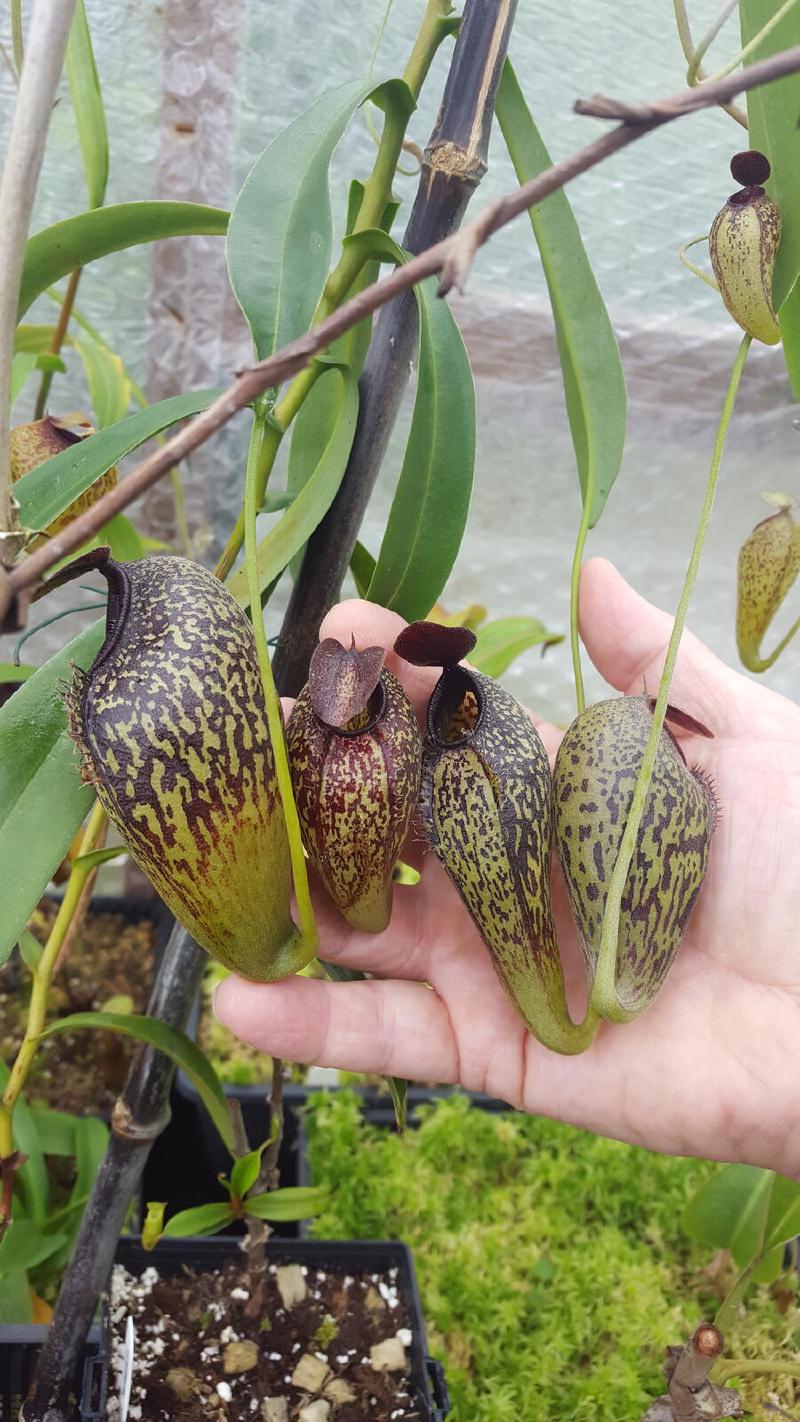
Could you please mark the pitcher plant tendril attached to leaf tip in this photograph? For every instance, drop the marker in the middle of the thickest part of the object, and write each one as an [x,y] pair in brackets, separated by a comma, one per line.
[595,774]
[255,484]
[605,998]
[487,814]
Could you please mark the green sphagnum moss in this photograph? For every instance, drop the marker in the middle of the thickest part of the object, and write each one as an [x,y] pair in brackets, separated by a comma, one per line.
[552,1264]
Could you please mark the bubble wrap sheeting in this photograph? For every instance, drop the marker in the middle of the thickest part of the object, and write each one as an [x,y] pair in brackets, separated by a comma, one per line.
[196,88]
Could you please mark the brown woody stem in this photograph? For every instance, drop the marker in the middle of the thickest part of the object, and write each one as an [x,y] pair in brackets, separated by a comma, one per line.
[453,165]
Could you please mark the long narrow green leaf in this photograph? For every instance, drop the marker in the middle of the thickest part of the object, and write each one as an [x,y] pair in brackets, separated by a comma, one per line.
[56,1130]
[731,1210]
[30,950]
[299,520]
[57,251]
[317,417]
[124,540]
[201,1219]
[281,230]
[23,365]
[783,1221]
[42,797]
[594,385]
[772,113]
[501,641]
[24,1246]
[176,1045]
[110,389]
[91,1142]
[296,1202]
[16,1304]
[50,488]
[87,101]
[362,566]
[431,502]
[36,339]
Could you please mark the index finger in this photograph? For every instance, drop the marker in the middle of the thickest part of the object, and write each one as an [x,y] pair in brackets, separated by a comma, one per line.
[374,626]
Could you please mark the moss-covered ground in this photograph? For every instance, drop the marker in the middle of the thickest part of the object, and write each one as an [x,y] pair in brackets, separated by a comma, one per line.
[553,1266]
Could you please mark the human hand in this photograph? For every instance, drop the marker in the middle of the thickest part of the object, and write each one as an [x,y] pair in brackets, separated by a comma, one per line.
[713,1067]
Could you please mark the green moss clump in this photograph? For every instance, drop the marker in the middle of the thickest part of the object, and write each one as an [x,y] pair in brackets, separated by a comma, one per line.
[326,1332]
[552,1264]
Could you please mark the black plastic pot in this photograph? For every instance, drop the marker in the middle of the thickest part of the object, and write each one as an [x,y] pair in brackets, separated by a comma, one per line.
[335,1256]
[19,1350]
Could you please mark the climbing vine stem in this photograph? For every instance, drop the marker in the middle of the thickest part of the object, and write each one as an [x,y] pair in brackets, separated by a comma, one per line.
[83,868]
[574,639]
[263,443]
[604,998]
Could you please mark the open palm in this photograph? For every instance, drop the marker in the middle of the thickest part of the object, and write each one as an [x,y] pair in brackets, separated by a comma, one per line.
[713,1067]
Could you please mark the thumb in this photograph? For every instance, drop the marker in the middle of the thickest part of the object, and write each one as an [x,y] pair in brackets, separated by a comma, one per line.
[626,638]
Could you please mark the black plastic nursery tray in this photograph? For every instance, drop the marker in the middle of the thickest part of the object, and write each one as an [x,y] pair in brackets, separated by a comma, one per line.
[20,1345]
[135,908]
[427,1379]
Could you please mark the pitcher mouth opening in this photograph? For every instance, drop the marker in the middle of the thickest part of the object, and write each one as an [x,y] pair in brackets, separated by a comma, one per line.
[456,708]
[365,720]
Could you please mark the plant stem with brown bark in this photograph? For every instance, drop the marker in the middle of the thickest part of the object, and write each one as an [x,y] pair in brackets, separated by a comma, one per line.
[453,165]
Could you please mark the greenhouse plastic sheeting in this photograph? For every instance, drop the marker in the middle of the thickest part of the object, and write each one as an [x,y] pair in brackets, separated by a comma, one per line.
[196,88]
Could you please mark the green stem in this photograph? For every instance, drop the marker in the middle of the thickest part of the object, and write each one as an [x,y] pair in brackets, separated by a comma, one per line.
[181,521]
[687,45]
[260,457]
[754,43]
[698,271]
[708,39]
[57,342]
[378,189]
[42,978]
[756,1367]
[377,193]
[575,642]
[604,996]
[735,1292]
[269,444]
[17,41]
[764,663]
